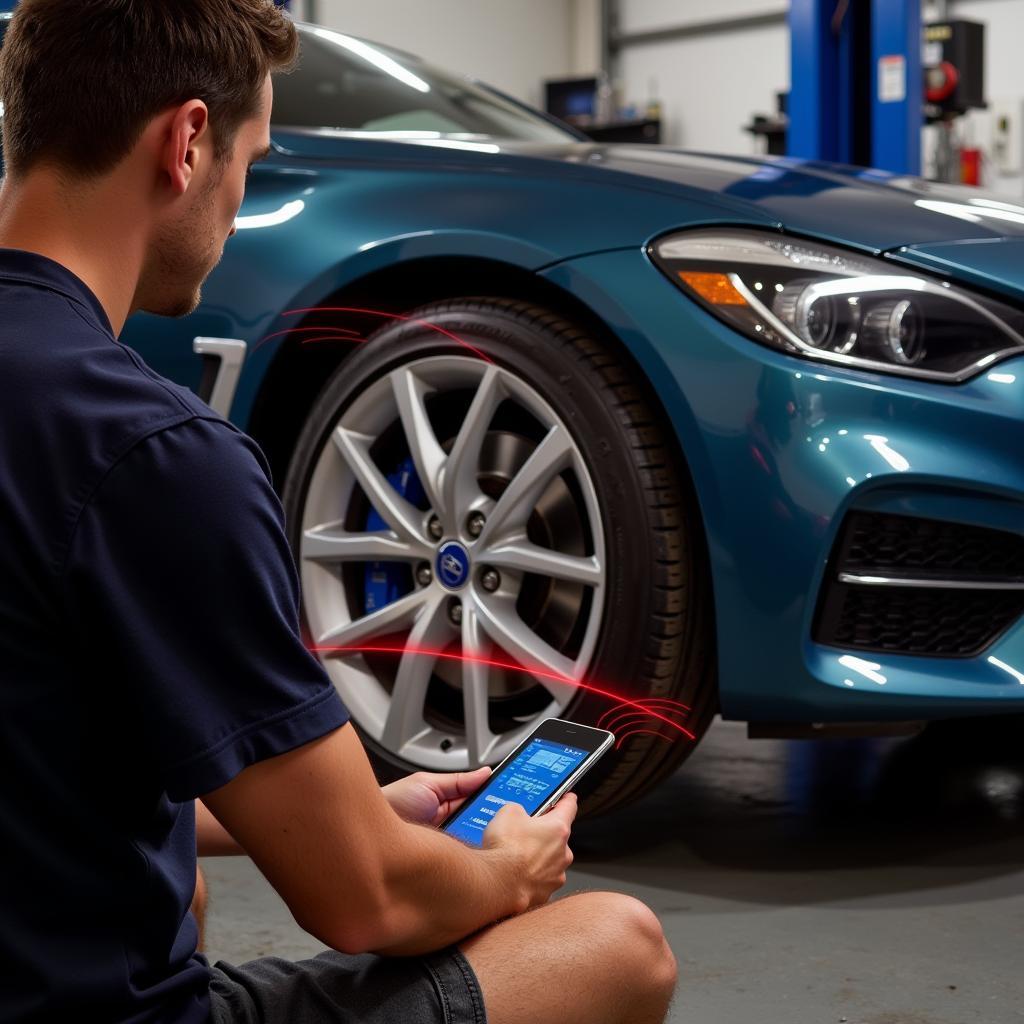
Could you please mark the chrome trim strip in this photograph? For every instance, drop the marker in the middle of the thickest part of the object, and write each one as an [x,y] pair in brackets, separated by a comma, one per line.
[231,354]
[932,584]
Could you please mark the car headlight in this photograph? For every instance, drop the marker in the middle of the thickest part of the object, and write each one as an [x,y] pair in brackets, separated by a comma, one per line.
[835,306]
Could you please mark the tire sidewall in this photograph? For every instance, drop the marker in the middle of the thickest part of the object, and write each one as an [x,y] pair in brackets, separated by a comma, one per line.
[533,354]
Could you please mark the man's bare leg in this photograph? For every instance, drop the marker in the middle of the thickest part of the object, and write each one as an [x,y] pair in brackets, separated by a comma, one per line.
[589,958]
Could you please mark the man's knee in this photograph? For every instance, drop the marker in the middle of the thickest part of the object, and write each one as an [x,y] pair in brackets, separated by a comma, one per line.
[634,937]
[605,948]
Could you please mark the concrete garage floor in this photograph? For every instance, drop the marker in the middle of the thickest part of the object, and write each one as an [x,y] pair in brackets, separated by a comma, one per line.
[799,882]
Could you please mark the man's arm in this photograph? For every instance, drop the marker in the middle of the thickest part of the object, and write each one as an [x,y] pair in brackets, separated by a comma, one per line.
[212,838]
[358,877]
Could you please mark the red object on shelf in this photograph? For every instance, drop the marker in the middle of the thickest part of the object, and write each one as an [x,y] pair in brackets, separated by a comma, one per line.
[970,166]
[941,82]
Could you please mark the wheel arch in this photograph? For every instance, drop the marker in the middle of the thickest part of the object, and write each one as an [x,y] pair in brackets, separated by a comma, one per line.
[299,372]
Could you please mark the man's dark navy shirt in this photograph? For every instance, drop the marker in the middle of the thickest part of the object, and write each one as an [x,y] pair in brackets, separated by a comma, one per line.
[149,651]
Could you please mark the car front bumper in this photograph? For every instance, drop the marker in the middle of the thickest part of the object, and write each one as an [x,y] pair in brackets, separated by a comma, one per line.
[780,449]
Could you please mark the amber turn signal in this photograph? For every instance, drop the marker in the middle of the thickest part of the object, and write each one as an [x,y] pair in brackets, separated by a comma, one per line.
[714,288]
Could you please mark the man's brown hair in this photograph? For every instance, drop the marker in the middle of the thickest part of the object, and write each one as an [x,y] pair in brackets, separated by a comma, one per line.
[80,79]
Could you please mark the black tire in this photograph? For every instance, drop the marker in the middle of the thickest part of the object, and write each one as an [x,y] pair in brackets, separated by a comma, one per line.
[656,636]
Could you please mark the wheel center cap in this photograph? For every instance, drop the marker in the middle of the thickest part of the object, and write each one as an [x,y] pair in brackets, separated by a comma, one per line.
[452,565]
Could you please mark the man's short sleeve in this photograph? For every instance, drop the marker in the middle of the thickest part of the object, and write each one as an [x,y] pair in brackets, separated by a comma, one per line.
[180,577]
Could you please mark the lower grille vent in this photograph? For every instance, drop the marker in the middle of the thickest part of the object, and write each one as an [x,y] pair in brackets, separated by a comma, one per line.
[907,585]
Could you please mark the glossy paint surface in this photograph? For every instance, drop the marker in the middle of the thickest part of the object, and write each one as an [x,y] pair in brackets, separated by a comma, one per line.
[779,448]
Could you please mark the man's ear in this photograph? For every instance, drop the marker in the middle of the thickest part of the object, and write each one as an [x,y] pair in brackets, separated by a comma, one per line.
[189,124]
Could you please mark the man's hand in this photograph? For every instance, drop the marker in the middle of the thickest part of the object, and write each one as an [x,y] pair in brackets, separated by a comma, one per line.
[424,798]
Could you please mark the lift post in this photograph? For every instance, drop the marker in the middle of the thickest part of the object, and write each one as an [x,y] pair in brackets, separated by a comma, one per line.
[856,86]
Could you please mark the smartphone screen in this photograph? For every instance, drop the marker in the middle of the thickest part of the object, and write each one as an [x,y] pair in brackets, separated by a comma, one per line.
[528,779]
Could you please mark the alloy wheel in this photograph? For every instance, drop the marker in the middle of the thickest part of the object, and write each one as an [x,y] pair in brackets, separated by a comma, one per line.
[452,560]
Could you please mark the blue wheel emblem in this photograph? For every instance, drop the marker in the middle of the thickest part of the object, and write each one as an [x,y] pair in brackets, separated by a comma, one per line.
[452,565]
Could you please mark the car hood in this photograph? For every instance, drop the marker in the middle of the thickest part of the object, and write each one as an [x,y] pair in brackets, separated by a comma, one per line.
[870,209]
[860,206]
[996,264]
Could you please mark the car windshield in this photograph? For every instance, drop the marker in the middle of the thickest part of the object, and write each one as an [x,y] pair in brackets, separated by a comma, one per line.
[360,88]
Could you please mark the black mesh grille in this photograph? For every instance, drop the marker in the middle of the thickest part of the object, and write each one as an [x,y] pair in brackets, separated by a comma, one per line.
[905,620]
[932,621]
[874,543]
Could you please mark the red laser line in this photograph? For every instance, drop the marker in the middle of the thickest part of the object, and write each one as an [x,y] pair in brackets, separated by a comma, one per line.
[614,715]
[387,316]
[623,720]
[306,330]
[356,340]
[639,732]
[664,702]
[620,717]
[637,719]
[494,663]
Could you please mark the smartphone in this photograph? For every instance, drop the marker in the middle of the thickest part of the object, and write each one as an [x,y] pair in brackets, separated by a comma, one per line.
[549,762]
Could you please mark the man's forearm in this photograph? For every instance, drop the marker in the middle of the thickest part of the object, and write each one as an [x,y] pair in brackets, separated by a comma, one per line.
[440,891]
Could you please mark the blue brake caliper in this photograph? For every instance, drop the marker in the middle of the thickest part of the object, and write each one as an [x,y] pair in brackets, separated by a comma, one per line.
[385,582]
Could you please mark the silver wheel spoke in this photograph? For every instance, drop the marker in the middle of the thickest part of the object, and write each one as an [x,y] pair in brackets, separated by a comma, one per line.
[402,516]
[405,720]
[475,691]
[389,619]
[503,625]
[506,471]
[513,509]
[328,544]
[427,455]
[524,556]
[460,487]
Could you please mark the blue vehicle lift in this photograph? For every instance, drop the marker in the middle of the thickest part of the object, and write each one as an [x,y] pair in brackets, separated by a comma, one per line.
[856,86]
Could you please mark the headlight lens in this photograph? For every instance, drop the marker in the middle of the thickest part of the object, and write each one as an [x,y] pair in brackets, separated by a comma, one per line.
[835,306]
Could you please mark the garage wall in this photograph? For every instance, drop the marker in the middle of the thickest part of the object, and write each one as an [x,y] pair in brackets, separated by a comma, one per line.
[641,15]
[585,35]
[1004,84]
[709,84]
[511,45]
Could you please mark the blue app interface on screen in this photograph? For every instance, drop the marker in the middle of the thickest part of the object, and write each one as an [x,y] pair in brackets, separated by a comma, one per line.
[527,780]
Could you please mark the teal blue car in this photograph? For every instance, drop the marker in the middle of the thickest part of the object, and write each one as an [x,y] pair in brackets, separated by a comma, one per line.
[620,434]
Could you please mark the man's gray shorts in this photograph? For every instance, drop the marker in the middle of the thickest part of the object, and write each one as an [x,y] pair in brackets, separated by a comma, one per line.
[350,989]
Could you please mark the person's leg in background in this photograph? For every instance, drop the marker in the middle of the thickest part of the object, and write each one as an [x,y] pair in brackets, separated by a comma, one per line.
[589,958]
[198,907]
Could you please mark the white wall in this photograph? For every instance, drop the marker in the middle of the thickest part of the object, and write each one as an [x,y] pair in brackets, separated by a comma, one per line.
[642,15]
[710,84]
[511,44]
[585,37]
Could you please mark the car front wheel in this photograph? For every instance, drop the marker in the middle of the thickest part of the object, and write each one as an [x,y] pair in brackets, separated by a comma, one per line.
[491,530]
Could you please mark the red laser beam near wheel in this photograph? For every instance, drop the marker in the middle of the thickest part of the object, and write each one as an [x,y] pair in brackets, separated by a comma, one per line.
[621,712]
[511,666]
[624,717]
[380,313]
[633,726]
[640,732]
[324,329]
[333,337]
